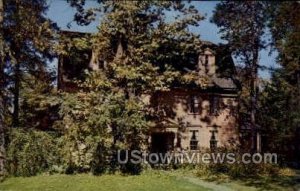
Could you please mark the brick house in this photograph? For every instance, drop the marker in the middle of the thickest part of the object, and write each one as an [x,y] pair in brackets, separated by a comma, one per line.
[191,117]
[195,118]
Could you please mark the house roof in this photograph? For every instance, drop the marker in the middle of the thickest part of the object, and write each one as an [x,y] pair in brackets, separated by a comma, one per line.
[225,83]
[225,70]
[225,67]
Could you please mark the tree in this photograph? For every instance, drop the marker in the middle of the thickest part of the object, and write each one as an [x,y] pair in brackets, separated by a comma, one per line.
[143,51]
[280,99]
[278,116]
[2,98]
[137,53]
[29,39]
[25,45]
[285,29]
[243,25]
[97,122]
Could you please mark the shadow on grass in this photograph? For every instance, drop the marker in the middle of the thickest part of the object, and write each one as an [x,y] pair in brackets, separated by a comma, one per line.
[263,182]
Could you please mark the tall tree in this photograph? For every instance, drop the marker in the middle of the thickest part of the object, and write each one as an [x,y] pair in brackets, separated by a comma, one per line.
[139,51]
[280,100]
[279,116]
[25,44]
[243,25]
[285,28]
[29,36]
[2,104]
[137,43]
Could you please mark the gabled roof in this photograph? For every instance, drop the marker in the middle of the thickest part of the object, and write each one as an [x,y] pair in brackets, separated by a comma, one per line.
[225,68]
[225,71]
[224,83]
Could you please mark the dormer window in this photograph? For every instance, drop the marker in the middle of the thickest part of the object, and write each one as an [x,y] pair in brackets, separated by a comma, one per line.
[206,63]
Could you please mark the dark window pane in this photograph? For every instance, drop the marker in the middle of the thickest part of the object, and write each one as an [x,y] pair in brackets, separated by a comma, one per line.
[194,140]
[194,104]
[214,105]
[206,63]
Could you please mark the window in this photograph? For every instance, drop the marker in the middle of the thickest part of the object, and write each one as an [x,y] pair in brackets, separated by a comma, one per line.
[206,63]
[214,105]
[213,141]
[194,140]
[194,104]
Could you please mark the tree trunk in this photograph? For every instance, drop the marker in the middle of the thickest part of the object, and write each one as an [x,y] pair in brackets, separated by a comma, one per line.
[298,88]
[16,48]
[2,99]
[255,142]
[16,93]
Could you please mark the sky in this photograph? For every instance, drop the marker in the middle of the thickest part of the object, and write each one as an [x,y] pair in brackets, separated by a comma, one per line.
[61,13]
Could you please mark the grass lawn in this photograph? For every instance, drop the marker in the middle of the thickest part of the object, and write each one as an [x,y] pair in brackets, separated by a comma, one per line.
[224,183]
[153,180]
[148,181]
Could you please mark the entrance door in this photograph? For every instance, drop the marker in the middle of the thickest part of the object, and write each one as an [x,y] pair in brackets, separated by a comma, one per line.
[162,142]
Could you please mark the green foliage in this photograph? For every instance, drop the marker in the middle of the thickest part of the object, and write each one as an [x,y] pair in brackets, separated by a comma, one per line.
[99,121]
[279,101]
[243,25]
[31,152]
[279,116]
[26,40]
[285,29]
[237,170]
[138,53]
[29,40]
[39,103]
[144,52]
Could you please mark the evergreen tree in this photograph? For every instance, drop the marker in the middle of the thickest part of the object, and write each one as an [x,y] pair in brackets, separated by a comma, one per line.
[286,36]
[280,109]
[29,39]
[243,25]
[26,40]
[2,94]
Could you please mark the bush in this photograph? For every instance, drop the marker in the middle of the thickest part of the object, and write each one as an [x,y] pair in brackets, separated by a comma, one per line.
[238,170]
[31,152]
[203,170]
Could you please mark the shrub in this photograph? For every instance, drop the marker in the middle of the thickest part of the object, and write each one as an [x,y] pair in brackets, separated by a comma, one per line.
[203,170]
[286,172]
[238,170]
[30,152]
